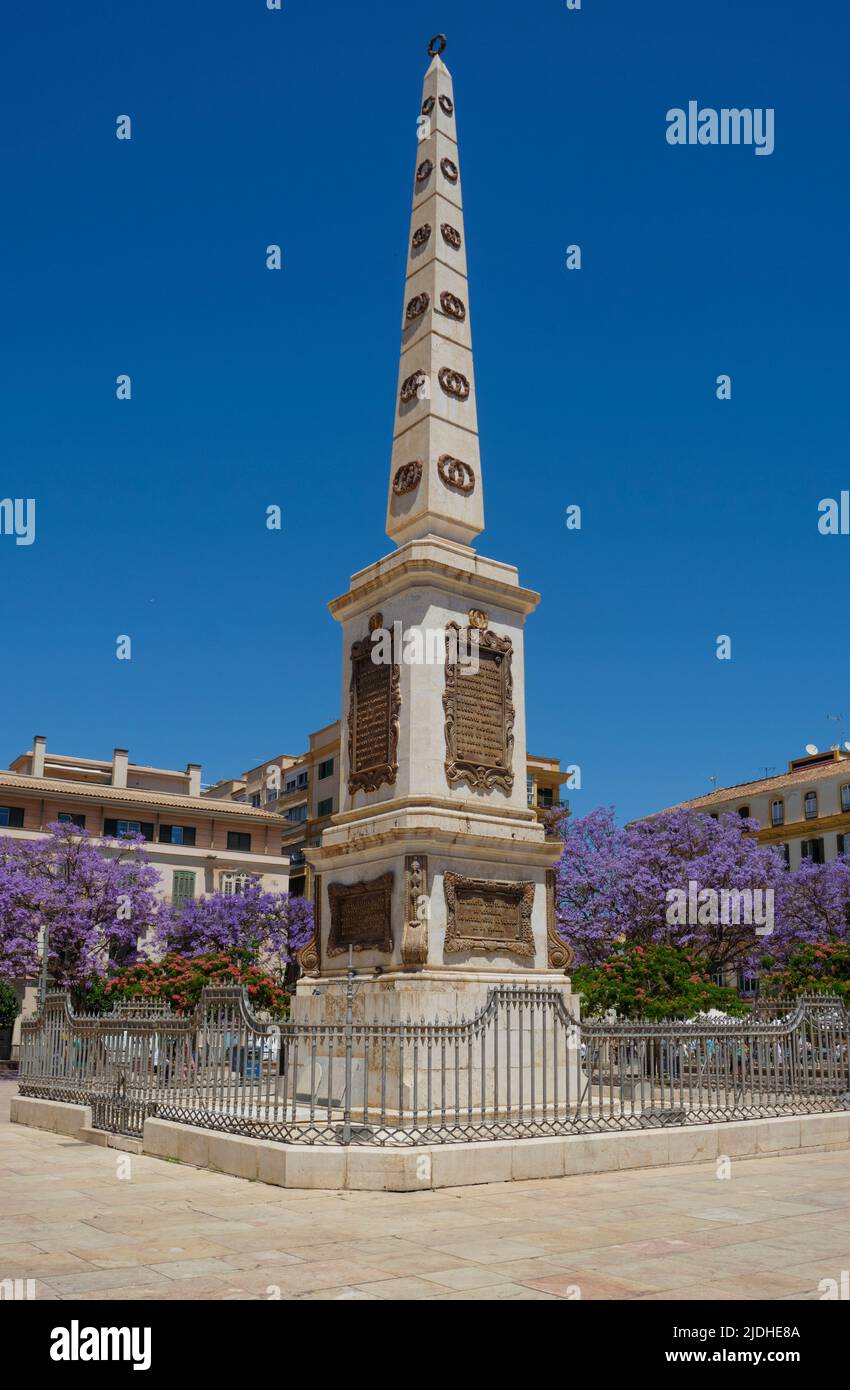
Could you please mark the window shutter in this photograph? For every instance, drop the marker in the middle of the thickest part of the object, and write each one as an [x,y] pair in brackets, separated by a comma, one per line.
[188,834]
[840,844]
[182,885]
[110,827]
[16,817]
[146,827]
[165,834]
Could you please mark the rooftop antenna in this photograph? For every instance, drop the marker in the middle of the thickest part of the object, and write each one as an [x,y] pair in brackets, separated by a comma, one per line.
[839,720]
[767,770]
[713,781]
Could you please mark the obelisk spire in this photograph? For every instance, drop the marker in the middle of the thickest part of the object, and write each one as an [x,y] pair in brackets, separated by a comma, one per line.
[435,476]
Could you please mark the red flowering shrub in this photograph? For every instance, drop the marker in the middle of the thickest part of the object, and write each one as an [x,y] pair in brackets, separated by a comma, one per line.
[180,979]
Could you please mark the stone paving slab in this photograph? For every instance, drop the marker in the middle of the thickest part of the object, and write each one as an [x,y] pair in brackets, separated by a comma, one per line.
[87,1222]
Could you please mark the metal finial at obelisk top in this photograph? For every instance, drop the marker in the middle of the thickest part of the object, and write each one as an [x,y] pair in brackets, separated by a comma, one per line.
[433,50]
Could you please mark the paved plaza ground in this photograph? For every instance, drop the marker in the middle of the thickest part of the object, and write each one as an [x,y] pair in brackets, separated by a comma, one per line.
[774,1229]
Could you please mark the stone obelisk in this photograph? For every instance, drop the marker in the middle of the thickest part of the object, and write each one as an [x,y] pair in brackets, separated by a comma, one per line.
[434,870]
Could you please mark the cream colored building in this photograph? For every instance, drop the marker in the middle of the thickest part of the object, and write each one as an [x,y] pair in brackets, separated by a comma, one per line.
[197,844]
[805,811]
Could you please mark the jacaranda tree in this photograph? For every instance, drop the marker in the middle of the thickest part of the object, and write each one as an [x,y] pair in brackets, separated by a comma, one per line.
[93,905]
[614,885]
[251,927]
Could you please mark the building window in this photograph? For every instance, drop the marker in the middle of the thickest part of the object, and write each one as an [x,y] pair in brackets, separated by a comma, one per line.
[744,812]
[785,851]
[842,846]
[297,813]
[845,797]
[810,805]
[544,797]
[182,886]
[302,779]
[777,812]
[72,818]
[812,850]
[238,839]
[718,976]
[177,835]
[255,798]
[122,829]
[326,807]
[748,983]
[12,816]
[529,790]
[326,768]
[232,884]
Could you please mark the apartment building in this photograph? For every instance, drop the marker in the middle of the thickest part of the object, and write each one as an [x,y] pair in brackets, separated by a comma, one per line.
[303,791]
[198,844]
[805,811]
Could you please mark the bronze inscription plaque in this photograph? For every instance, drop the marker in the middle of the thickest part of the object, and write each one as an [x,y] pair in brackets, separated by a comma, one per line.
[478,703]
[373,720]
[371,713]
[488,915]
[361,916]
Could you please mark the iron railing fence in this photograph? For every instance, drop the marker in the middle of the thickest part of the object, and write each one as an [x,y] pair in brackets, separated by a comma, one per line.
[521,1067]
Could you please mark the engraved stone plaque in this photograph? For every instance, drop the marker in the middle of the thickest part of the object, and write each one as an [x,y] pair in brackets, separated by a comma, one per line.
[490,916]
[361,916]
[479,709]
[373,720]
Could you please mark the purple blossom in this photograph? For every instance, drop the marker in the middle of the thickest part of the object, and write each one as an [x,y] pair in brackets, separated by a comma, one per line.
[93,904]
[253,926]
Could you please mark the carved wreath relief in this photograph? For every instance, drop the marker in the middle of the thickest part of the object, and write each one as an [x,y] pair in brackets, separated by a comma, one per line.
[411,387]
[417,306]
[373,718]
[449,169]
[478,704]
[421,236]
[455,473]
[450,235]
[451,305]
[453,383]
[407,478]
[489,916]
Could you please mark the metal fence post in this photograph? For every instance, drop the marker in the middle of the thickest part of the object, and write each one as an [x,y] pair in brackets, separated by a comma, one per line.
[349,1047]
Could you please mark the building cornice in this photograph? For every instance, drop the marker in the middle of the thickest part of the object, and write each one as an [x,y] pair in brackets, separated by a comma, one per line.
[134,798]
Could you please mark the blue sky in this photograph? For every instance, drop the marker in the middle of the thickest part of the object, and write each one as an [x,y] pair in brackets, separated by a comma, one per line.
[594,387]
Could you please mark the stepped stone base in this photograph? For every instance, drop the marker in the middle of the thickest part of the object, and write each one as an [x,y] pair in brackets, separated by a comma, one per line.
[362,1168]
